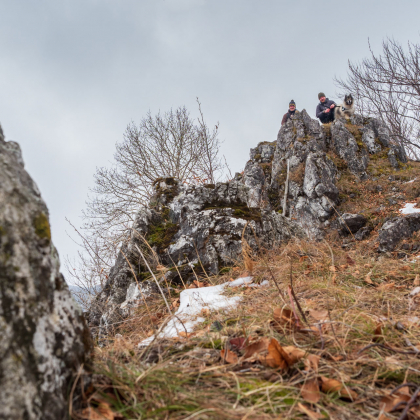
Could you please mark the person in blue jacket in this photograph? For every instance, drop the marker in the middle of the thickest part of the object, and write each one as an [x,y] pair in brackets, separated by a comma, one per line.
[325,109]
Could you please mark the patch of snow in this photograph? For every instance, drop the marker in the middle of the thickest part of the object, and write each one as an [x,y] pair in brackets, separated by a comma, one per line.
[415,291]
[240,282]
[410,182]
[192,301]
[409,208]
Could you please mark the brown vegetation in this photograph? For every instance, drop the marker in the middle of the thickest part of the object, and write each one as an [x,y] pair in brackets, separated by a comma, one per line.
[333,335]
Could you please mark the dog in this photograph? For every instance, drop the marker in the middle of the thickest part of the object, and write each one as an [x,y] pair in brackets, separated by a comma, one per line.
[346,109]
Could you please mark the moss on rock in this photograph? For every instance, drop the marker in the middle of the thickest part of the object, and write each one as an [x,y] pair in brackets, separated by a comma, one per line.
[42,226]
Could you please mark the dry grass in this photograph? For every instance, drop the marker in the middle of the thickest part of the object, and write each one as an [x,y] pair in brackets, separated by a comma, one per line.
[366,298]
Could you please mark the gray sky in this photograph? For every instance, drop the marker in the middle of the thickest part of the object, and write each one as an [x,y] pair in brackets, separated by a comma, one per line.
[74,73]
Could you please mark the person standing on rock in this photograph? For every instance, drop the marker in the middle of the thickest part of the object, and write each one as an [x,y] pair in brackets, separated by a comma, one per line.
[290,112]
[325,109]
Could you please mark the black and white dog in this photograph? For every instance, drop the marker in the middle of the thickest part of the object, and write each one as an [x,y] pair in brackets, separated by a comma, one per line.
[346,109]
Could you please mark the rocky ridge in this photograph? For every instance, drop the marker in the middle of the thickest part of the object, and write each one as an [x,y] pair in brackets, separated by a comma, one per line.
[201,228]
[44,338]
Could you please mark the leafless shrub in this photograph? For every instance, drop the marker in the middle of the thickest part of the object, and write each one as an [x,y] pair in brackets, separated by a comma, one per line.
[170,144]
[387,86]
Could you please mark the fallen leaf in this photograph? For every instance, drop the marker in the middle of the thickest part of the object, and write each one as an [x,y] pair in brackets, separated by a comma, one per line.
[310,391]
[356,273]
[283,315]
[332,385]
[276,357]
[102,412]
[350,261]
[393,363]
[417,281]
[319,315]
[294,353]
[386,286]
[229,356]
[311,414]
[186,334]
[306,272]
[368,279]
[238,342]
[199,283]
[378,333]
[388,402]
[312,362]
[175,304]
[332,268]
[205,311]
[257,347]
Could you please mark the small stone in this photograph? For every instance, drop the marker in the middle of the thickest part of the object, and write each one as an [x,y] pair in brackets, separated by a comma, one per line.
[363,233]
[352,222]
[216,326]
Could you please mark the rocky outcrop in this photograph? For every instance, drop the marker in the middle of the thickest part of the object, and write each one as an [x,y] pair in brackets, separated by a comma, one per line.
[193,228]
[44,338]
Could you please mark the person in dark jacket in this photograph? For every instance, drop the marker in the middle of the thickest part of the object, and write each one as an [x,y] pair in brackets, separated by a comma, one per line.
[290,112]
[325,109]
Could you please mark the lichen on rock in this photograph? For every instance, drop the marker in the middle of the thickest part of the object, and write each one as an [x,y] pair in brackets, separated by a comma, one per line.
[44,338]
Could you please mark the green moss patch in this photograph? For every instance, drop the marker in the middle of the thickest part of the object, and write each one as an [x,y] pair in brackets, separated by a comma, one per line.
[42,226]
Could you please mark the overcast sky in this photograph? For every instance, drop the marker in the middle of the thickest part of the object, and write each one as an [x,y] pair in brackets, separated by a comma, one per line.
[74,73]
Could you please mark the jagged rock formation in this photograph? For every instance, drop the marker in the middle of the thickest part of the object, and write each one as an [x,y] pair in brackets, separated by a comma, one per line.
[44,338]
[194,227]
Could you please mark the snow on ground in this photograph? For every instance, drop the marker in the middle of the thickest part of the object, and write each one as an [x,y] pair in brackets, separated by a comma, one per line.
[193,301]
[409,208]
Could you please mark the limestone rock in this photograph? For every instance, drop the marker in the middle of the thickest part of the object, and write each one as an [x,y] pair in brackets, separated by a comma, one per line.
[396,229]
[44,338]
[351,223]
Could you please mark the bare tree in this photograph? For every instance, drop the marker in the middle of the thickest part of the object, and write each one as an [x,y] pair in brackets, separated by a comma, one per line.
[170,144]
[387,86]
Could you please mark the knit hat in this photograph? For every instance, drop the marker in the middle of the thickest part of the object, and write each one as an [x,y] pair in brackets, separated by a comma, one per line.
[320,95]
[292,102]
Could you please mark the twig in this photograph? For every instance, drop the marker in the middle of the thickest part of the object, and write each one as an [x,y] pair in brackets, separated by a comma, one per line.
[289,289]
[176,268]
[384,346]
[409,403]
[79,372]
[410,344]
[295,297]
[407,384]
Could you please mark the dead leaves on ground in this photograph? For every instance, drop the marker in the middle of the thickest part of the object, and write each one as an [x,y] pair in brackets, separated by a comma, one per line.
[401,399]
[270,353]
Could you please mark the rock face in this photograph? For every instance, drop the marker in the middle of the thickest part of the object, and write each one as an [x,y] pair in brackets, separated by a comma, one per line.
[194,228]
[44,338]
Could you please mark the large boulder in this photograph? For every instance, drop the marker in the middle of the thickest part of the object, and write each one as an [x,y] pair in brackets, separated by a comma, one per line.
[44,338]
[396,229]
